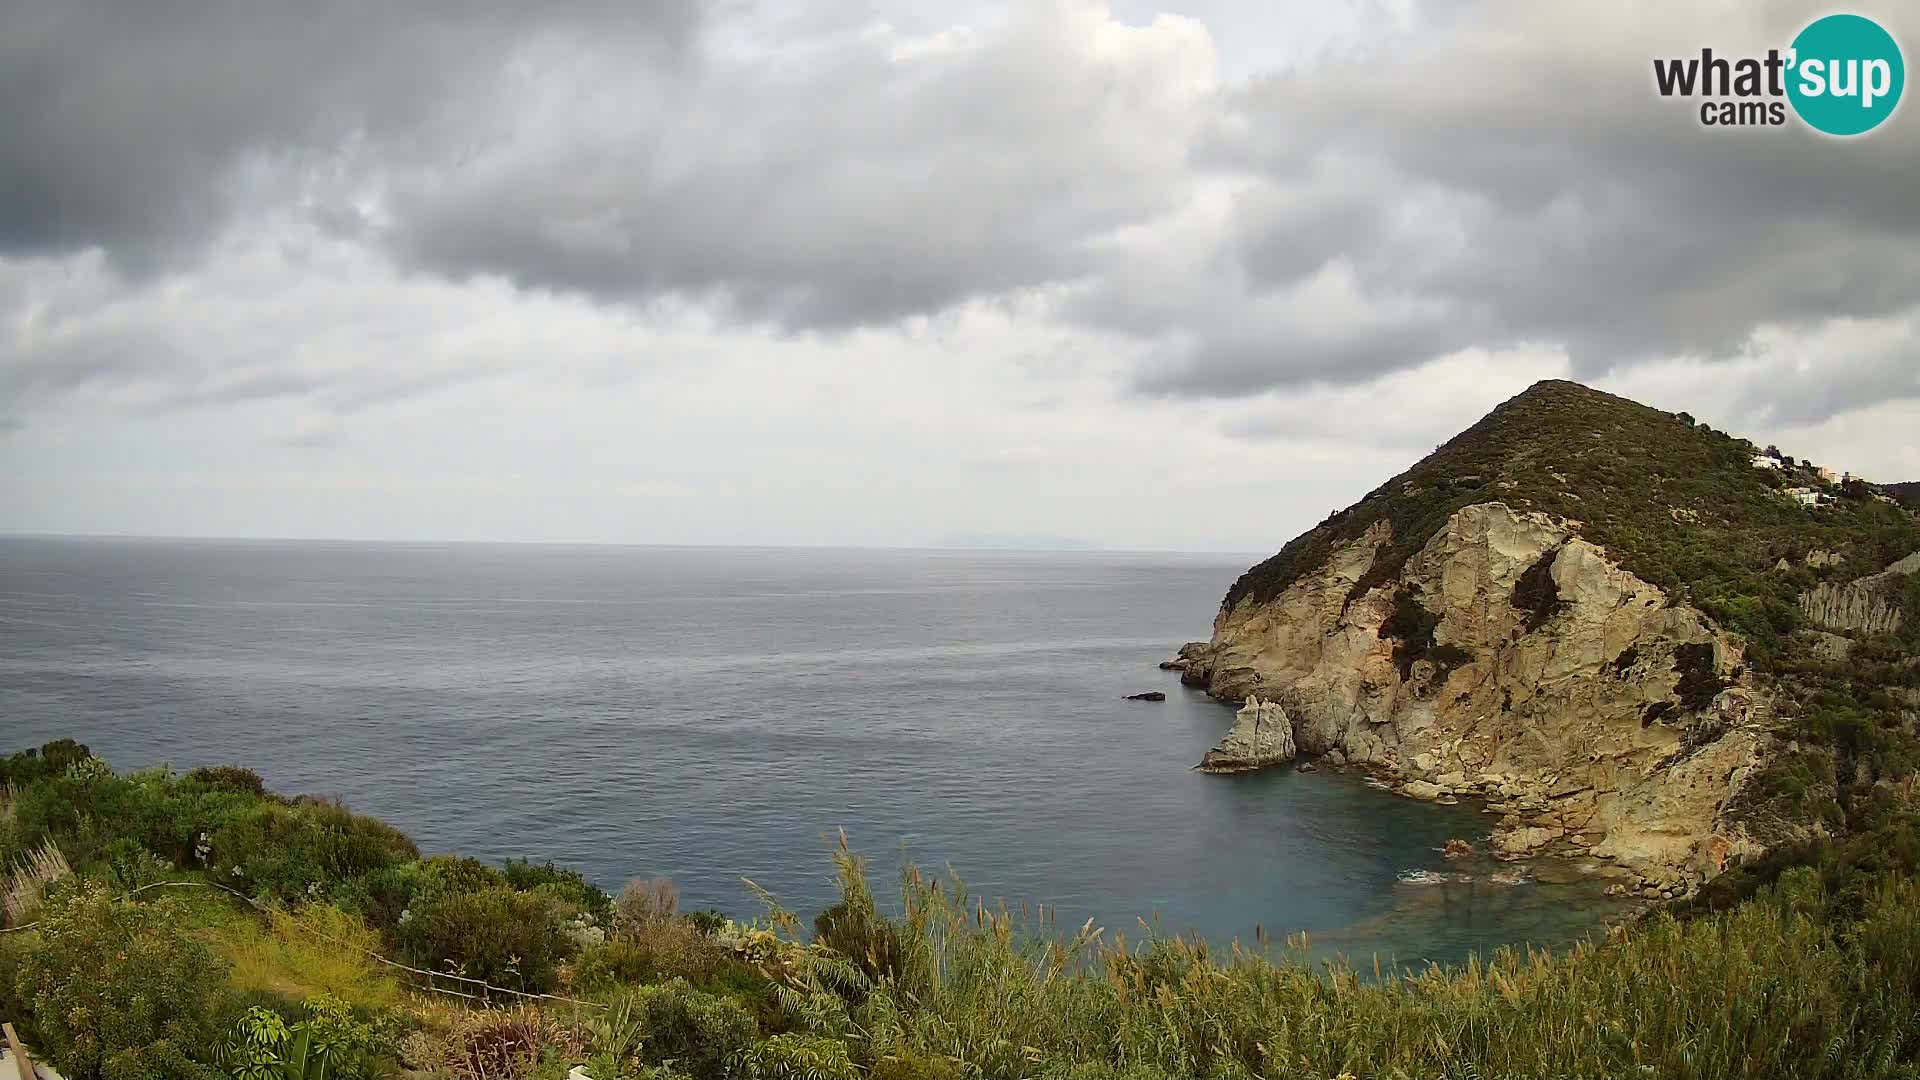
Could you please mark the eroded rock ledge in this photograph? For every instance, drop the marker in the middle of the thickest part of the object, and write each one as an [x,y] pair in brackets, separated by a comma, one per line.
[1513,661]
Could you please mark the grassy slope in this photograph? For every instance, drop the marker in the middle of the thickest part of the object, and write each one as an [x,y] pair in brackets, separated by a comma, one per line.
[1815,974]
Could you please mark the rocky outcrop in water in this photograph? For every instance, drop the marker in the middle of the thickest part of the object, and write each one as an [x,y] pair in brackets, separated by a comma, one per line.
[1262,735]
[1584,702]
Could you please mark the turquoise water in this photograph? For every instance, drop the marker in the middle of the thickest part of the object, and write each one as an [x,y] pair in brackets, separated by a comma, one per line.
[714,714]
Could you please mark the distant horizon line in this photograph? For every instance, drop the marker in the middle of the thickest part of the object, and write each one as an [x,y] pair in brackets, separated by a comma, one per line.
[1090,549]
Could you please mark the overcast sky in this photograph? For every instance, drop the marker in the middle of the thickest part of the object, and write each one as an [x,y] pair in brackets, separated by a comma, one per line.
[1182,275]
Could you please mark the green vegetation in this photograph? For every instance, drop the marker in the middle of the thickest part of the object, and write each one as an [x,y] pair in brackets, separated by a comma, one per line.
[1805,964]
[1677,503]
[118,989]
[1411,628]
[1535,594]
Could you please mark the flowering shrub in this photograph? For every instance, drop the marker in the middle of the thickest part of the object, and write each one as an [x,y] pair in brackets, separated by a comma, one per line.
[118,989]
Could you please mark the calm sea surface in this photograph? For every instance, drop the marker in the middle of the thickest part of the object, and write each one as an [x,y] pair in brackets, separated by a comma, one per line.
[713,714]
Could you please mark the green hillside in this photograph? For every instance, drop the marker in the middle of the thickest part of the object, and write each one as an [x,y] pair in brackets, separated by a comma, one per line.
[1675,501]
[1683,506]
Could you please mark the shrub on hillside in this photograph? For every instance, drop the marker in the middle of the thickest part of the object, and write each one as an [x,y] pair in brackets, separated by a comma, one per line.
[707,922]
[507,938]
[49,759]
[676,948]
[228,778]
[325,1042]
[906,1065]
[461,874]
[699,1033]
[1534,593]
[570,886]
[862,935]
[384,896]
[645,900]
[493,1044]
[800,1057]
[1699,683]
[116,989]
[301,850]
[1411,628]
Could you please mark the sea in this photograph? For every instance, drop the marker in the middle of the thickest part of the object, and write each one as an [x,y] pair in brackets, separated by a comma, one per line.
[726,715]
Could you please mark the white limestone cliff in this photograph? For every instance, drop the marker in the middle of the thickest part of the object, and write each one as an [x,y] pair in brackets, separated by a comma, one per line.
[1573,720]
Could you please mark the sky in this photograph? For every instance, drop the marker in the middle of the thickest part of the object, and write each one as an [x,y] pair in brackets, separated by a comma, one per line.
[1159,275]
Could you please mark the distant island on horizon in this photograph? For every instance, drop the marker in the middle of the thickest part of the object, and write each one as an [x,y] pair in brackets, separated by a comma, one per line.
[969,541]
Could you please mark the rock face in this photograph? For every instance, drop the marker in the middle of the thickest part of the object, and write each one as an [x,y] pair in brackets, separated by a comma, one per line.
[1262,735]
[1861,605]
[1586,701]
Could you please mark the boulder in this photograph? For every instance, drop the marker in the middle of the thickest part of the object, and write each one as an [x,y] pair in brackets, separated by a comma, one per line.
[1335,758]
[1151,695]
[1522,841]
[1423,790]
[1262,735]
[1457,847]
[1193,654]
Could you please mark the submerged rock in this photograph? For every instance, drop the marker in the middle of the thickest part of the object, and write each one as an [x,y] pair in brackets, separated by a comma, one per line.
[1262,735]
[1151,695]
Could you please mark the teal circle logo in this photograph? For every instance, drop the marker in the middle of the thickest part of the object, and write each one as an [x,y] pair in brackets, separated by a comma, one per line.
[1845,74]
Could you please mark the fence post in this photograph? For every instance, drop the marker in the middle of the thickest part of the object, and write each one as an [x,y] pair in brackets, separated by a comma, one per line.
[20,1059]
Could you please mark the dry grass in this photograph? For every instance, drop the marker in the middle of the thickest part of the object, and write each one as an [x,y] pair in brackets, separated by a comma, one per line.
[645,901]
[493,1044]
[44,865]
[313,950]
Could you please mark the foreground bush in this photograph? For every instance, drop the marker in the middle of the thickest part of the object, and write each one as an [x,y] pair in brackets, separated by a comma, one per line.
[799,1057]
[1804,965]
[697,1033]
[329,1043]
[1799,982]
[507,938]
[121,990]
[497,1044]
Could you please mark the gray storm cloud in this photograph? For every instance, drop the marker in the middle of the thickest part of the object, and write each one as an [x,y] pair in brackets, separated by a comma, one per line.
[1499,175]
[126,126]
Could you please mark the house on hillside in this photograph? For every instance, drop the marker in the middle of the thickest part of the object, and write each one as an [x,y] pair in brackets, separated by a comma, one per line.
[1808,496]
[1762,461]
[1825,473]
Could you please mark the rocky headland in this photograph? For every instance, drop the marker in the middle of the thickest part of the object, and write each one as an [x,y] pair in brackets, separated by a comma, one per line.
[1465,632]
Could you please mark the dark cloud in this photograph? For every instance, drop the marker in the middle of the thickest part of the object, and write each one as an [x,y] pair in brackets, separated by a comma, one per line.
[130,127]
[1510,177]
[857,176]
[1501,176]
